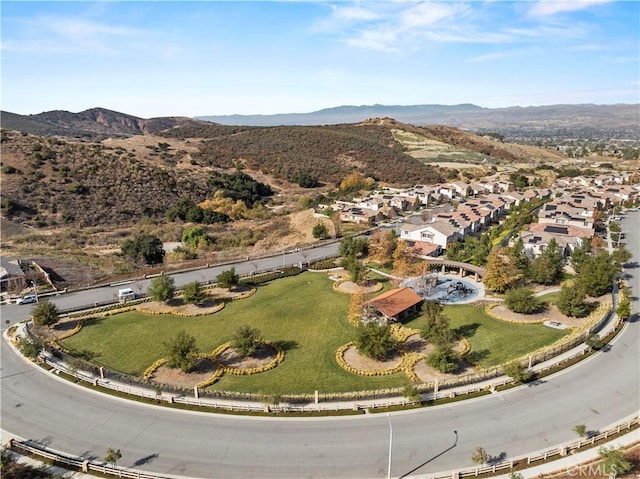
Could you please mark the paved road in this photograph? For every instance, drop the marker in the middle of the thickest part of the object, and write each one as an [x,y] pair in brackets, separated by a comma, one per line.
[14,312]
[596,393]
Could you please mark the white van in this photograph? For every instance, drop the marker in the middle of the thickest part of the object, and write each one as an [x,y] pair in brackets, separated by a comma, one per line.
[126,294]
[30,298]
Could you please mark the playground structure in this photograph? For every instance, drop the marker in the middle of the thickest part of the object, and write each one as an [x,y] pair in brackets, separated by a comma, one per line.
[444,288]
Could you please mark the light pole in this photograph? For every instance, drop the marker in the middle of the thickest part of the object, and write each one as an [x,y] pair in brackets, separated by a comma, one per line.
[35,290]
[390,445]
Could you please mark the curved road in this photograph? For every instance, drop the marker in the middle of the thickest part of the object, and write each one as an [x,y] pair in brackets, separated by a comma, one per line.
[598,392]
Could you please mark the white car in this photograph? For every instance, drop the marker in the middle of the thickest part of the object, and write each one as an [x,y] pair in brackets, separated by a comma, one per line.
[31,298]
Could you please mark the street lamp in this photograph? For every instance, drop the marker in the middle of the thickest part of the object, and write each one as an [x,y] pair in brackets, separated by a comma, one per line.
[390,445]
[35,290]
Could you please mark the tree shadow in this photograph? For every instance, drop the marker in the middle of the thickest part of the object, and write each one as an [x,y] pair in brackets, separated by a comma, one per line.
[467,330]
[475,357]
[287,345]
[146,460]
[497,459]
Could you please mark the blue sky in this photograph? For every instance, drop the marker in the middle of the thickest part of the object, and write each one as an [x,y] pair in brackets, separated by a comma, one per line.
[213,58]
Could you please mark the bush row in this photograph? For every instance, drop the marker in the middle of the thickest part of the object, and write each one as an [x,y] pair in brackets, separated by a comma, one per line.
[409,362]
[324,264]
[110,307]
[402,333]
[266,277]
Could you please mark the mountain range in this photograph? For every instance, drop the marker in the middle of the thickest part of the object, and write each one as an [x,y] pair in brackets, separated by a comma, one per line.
[512,121]
[559,121]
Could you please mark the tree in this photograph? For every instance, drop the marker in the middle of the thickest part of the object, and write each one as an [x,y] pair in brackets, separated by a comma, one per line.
[624,307]
[436,330]
[402,258]
[45,314]
[614,461]
[113,456]
[375,341]
[193,293]
[320,231]
[162,288]
[246,340]
[571,301]
[597,274]
[444,359]
[357,271]
[181,352]
[579,255]
[547,267]
[358,299]
[382,245]
[29,348]
[350,246]
[621,255]
[196,237]
[522,260]
[523,300]
[580,430]
[501,270]
[516,371]
[594,341]
[144,248]
[228,279]
[480,455]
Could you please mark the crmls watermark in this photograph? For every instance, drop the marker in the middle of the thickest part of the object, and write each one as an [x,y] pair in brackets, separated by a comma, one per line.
[591,470]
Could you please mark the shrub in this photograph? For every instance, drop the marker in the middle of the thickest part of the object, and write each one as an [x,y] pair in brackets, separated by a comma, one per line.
[443,359]
[320,231]
[246,340]
[181,352]
[571,301]
[523,300]
[375,341]
[162,288]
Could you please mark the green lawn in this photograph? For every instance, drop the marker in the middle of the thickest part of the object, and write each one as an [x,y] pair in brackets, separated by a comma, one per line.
[308,318]
[493,341]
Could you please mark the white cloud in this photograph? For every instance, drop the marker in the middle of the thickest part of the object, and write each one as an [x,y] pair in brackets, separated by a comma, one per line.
[60,34]
[544,8]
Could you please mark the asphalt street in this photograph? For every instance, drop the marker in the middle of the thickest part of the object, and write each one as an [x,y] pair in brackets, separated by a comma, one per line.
[597,392]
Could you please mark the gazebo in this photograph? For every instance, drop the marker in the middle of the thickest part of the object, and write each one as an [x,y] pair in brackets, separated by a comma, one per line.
[394,305]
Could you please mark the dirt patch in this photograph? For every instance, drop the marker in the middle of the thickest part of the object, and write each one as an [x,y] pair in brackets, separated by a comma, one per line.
[205,367]
[356,360]
[351,287]
[263,355]
[202,371]
[552,313]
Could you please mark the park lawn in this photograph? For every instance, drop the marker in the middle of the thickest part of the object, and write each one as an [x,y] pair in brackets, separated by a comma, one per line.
[308,319]
[302,313]
[550,298]
[492,341]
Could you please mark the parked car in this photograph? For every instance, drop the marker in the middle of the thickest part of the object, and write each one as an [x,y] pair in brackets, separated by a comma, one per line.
[30,298]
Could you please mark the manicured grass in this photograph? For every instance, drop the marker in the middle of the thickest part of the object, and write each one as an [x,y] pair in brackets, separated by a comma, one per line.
[308,319]
[302,313]
[493,341]
[550,298]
